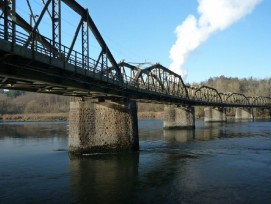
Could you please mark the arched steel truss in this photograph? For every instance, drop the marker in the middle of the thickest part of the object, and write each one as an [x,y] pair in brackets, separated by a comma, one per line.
[157,78]
[235,98]
[207,94]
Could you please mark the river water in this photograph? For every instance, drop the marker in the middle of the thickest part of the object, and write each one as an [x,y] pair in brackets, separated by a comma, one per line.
[216,163]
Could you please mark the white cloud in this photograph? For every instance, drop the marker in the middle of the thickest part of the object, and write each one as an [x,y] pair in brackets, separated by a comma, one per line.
[214,15]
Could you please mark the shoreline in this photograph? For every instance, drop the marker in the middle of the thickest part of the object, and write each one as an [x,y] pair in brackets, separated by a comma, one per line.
[38,117]
[34,117]
[44,117]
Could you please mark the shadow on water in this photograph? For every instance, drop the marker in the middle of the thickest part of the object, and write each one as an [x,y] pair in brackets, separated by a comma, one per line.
[33,129]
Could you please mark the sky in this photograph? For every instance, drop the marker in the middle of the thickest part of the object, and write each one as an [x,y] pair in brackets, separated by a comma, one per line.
[234,45]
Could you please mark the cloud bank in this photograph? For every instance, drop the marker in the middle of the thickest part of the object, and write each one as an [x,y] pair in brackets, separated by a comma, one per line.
[214,15]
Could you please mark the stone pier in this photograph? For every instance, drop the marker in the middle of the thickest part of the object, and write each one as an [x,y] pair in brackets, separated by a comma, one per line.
[244,114]
[179,117]
[102,127]
[217,114]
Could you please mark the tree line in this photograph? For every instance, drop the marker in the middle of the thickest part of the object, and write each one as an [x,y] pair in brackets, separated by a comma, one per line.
[20,102]
[249,87]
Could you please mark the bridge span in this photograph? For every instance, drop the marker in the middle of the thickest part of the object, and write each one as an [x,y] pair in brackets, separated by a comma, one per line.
[103,117]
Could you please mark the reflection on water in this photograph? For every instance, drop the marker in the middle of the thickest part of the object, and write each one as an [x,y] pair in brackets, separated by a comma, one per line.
[179,136]
[104,178]
[215,163]
[33,129]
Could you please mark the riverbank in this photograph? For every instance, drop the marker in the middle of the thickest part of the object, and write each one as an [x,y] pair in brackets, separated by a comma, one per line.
[35,117]
[150,115]
[64,116]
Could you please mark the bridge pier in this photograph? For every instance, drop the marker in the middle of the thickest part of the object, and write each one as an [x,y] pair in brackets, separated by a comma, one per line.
[244,114]
[102,127]
[269,113]
[179,117]
[217,114]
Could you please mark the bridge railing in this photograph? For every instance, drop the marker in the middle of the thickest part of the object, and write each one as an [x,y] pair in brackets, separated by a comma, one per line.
[75,58]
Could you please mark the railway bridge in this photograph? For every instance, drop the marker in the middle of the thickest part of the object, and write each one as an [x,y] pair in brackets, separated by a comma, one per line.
[39,52]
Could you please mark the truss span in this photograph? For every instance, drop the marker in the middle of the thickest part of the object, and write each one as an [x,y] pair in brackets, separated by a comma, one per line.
[205,94]
[34,58]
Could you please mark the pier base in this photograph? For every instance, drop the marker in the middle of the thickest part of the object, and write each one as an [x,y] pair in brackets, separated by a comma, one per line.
[244,114]
[215,114]
[179,117]
[102,127]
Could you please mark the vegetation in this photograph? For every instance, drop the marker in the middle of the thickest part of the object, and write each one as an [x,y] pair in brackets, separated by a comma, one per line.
[249,87]
[19,102]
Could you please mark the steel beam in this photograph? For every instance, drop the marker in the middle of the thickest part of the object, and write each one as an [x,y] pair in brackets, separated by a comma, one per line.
[85,45]
[13,22]
[56,24]
[6,24]
[74,39]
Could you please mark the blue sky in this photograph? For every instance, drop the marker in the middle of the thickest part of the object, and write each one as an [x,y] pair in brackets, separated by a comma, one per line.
[143,31]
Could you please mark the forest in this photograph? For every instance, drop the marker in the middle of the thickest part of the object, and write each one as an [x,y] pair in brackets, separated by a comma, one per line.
[20,102]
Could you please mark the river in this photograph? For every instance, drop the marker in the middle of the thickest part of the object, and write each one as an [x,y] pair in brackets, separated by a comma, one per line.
[217,163]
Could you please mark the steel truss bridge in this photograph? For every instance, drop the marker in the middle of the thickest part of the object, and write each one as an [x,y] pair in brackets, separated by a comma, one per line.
[34,58]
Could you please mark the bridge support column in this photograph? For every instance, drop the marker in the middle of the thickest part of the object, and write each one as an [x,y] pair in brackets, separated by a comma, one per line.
[102,127]
[179,117]
[215,114]
[244,114]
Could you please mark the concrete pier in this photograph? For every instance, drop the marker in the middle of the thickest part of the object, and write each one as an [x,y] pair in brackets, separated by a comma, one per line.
[244,114]
[102,127]
[217,114]
[179,117]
